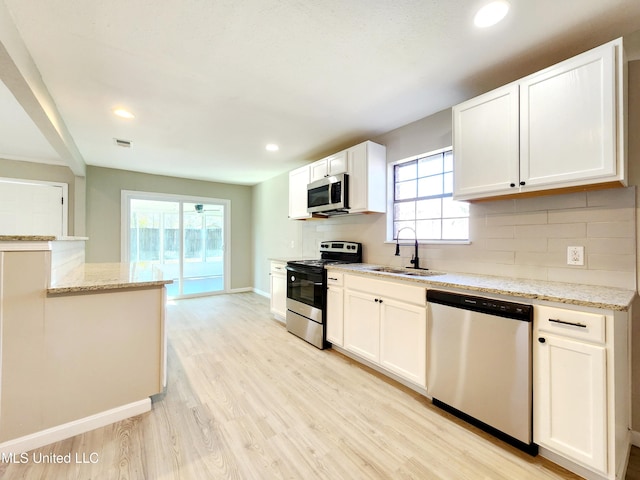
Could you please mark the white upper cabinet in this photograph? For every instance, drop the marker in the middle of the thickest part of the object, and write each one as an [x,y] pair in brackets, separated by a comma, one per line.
[486,143]
[558,128]
[332,165]
[367,170]
[298,180]
[366,166]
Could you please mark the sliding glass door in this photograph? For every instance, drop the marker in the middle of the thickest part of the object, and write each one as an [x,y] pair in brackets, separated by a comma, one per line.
[183,237]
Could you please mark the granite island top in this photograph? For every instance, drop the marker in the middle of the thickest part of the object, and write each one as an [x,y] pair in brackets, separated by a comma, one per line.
[570,293]
[95,277]
[37,238]
[27,238]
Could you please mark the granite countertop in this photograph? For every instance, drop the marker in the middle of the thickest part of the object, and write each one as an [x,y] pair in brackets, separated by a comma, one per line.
[27,238]
[570,293]
[37,238]
[95,277]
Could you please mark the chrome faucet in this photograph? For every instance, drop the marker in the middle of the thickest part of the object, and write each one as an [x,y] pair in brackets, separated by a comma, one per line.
[415,260]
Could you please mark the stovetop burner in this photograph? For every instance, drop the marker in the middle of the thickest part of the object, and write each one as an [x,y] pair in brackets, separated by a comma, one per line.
[332,253]
[315,262]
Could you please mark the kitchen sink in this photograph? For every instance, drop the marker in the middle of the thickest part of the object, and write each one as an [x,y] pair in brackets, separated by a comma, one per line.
[405,271]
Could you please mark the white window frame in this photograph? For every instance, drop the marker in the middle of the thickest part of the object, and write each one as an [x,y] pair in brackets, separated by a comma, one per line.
[125,223]
[391,197]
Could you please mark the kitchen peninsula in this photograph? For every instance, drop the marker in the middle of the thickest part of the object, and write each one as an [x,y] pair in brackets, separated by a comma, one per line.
[82,345]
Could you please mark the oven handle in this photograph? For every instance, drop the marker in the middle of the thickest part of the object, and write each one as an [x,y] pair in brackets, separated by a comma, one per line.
[303,272]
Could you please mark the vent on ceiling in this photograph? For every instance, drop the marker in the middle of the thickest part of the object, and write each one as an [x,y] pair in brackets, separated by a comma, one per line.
[122,143]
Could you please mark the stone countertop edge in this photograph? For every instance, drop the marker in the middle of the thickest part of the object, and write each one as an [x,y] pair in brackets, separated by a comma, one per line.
[37,238]
[105,287]
[27,238]
[609,298]
[97,277]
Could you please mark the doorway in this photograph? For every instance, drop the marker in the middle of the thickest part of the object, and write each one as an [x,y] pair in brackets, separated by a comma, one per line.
[31,207]
[184,237]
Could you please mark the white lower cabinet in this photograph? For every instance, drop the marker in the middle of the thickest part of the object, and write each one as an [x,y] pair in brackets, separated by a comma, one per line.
[572,400]
[335,309]
[386,324]
[403,340]
[362,325]
[581,393]
[278,283]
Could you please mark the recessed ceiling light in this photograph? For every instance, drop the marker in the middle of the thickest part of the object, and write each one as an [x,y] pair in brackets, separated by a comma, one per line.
[123,113]
[272,147]
[491,13]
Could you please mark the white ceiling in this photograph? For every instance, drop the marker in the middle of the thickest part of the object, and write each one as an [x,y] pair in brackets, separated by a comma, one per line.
[211,82]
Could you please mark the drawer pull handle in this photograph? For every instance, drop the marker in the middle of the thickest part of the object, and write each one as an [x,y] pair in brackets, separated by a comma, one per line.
[563,322]
[333,278]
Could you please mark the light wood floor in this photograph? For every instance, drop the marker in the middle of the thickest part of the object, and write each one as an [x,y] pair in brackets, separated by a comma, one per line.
[247,400]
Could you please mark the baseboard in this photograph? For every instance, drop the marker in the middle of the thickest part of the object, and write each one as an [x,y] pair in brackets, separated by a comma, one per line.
[260,292]
[240,290]
[76,427]
[569,465]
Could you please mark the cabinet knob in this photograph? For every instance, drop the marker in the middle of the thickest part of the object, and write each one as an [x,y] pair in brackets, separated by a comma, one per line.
[380,300]
[523,183]
[542,340]
[512,185]
[376,300]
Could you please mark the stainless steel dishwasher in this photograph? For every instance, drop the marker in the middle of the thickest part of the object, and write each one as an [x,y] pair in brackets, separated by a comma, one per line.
[479,363]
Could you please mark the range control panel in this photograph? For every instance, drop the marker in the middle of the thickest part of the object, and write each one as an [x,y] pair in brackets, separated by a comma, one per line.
[340,247]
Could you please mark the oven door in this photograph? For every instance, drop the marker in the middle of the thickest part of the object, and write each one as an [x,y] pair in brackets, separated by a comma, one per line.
[305,292]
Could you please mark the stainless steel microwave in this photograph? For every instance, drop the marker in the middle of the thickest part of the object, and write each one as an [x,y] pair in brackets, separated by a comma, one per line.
[329,195]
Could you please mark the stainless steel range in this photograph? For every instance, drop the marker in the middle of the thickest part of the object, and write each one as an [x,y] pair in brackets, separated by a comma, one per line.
[307,287]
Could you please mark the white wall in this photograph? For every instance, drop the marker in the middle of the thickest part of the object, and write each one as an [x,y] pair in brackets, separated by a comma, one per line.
[274,235]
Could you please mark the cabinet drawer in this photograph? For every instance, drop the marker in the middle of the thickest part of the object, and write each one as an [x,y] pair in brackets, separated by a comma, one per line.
[278,268]
[394,290]
[571,323]
[334,278]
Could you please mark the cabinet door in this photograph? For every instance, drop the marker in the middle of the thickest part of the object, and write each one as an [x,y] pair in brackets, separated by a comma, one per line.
[570,409]
[298,180]
[403,340]
[367,178]
[279,295]
[335,315]
[362,325]
[337,163]
[568,120]
[485,145]
[318,170]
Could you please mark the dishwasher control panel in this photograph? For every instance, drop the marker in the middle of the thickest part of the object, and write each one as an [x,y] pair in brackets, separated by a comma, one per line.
[490,306]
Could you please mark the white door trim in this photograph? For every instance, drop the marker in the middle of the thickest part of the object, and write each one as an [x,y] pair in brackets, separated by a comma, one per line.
[65,196]
[126,195]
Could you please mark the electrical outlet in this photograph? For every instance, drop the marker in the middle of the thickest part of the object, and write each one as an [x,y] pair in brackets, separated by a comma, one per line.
[575,255]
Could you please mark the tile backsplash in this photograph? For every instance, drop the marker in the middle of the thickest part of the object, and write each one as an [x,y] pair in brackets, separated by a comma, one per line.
[522,238]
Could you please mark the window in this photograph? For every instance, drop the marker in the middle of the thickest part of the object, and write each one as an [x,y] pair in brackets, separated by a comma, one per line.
[422,200]
[182,236]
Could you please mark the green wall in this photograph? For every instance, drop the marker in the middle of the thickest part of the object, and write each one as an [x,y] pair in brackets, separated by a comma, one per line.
[103,191]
